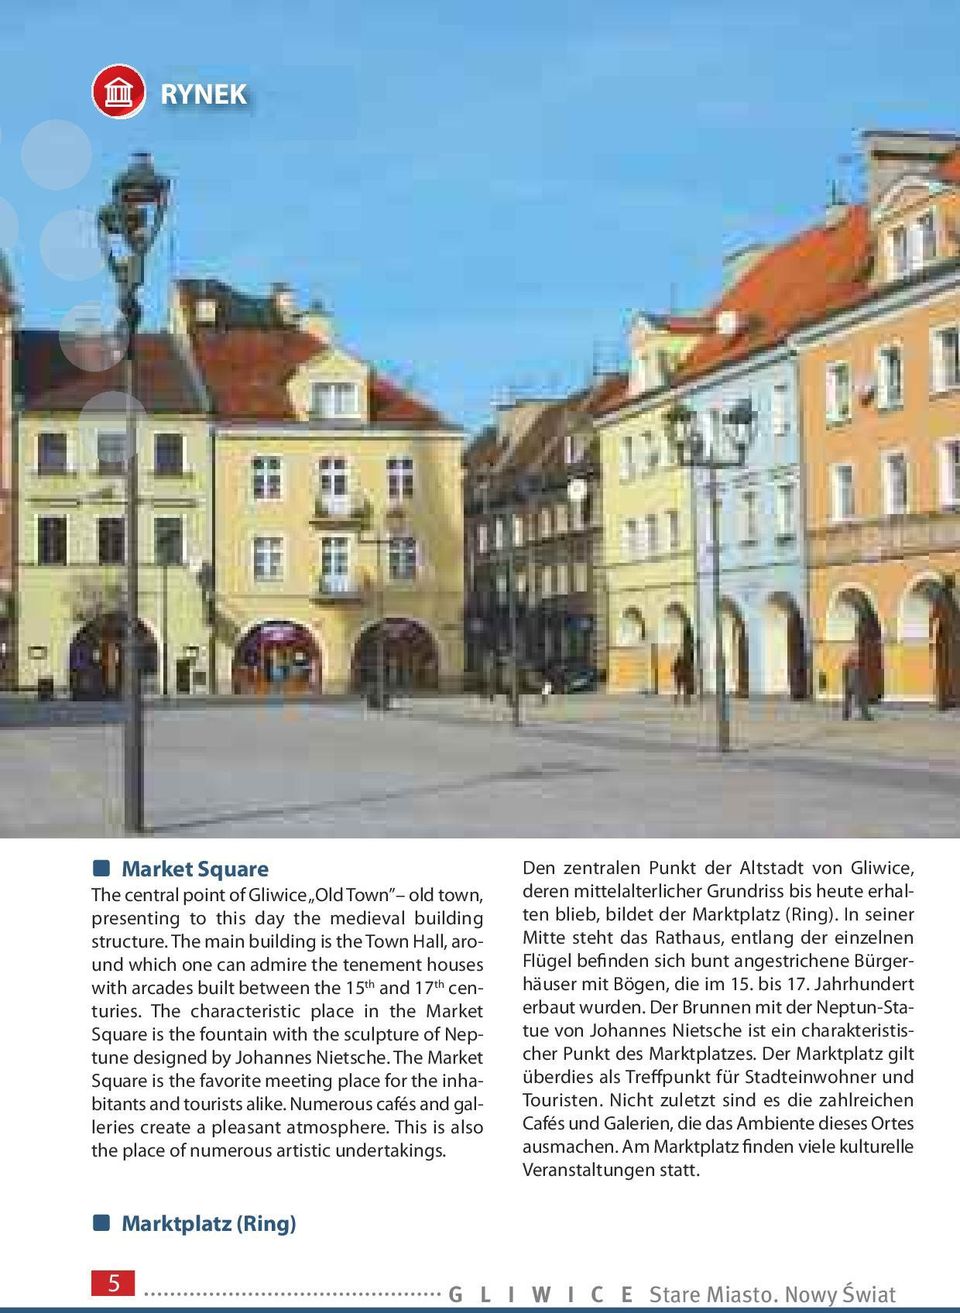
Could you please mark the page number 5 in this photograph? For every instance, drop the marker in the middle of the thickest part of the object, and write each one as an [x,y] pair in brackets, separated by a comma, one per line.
[112,1283]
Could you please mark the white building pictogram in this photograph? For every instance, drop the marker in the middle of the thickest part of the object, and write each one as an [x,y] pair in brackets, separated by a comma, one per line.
[119,93]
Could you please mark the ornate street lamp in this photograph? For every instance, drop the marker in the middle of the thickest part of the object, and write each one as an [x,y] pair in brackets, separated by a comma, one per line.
[127,227]
[692,451]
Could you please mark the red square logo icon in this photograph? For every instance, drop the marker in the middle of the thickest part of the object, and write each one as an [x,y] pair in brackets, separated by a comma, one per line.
[113,1283]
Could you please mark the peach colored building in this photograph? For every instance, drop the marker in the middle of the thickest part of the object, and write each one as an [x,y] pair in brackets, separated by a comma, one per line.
[880,398]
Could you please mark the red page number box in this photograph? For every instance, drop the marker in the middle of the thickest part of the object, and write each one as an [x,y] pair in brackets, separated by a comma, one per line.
[112,1283]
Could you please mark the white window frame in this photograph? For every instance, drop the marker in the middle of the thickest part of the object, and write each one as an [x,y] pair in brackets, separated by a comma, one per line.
[673,530]
[938,379]
[483,539]
[268,538]
[837,513]
[346,557]
[267,472]
[748,518]
[627,458]
[832,370]
[919,257]
[950,473]
[499,534]
[779,410]
[401,478]
[171,433]
[517,528]
[651,535]
[630,539]
[898,268]
[884,400]
[651,452]
[886,460]
[409,543]
[336,390]
[67,463]
[786,496]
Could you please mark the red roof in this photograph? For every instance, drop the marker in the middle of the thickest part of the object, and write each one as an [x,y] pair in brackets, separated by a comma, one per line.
[49,380]
[247,370]
[798,282]
[949,170]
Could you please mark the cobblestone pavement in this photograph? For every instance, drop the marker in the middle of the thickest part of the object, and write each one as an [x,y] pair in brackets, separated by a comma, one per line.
[588,765]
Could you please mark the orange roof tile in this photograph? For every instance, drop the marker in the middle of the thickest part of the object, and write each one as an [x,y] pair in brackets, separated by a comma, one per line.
[949,170]
[803,279]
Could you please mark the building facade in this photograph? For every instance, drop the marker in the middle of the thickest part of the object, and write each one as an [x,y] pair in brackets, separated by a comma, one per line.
[881,404]
[71,532]
[8,554]
[337,505]
[534,524]
[648,533]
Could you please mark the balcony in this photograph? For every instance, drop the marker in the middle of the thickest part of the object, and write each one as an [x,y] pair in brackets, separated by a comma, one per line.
[878,540]
[343,588]
[341,509]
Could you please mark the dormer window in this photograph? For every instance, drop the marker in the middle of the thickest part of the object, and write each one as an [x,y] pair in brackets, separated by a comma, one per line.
[335,401]
[912,246]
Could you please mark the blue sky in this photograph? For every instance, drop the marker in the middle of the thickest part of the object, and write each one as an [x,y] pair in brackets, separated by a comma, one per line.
[482,193]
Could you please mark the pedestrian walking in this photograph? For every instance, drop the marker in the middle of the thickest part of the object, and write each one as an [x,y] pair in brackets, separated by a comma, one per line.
[854,685]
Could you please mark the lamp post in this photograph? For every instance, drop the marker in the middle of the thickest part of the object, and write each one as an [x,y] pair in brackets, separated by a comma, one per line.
[127,227]
[694,453]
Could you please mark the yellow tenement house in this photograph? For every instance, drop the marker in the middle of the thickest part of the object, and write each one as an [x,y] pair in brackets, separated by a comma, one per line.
[647,523]
[70,537]
[337,504]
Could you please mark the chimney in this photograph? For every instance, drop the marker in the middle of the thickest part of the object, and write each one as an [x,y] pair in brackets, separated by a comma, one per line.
[893,155]
[836,209]
[317,321]
[740,262]
[283,301]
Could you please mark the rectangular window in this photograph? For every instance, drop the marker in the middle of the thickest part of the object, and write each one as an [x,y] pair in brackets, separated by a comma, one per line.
[748,517]
[779,410]
[267,478]
[167,454]
[111,452]
[518,530]
[842,493]
[651,452]
[334,485]
[673,531]
[899,248]
[498,534]
[563,579]
[889,377]
[561,518]
[111,540]
[580,577]
[267,558]
[335,563]
[402,558]
[838,393]
[630,540]
[168,540]
[946,359]
[51,453]
[627,458]
[950,473]
[335,401]
[786,510]
[895,491]
[400,477]
[651,536]
[925,240]
[483,538]
[52,540]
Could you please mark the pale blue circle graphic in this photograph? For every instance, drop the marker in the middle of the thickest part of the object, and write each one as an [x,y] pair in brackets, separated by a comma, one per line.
[56,154]
[93,338]
[69,246]
[9,225]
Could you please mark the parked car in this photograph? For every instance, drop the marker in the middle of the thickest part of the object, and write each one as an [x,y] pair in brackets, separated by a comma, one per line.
[576,677]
